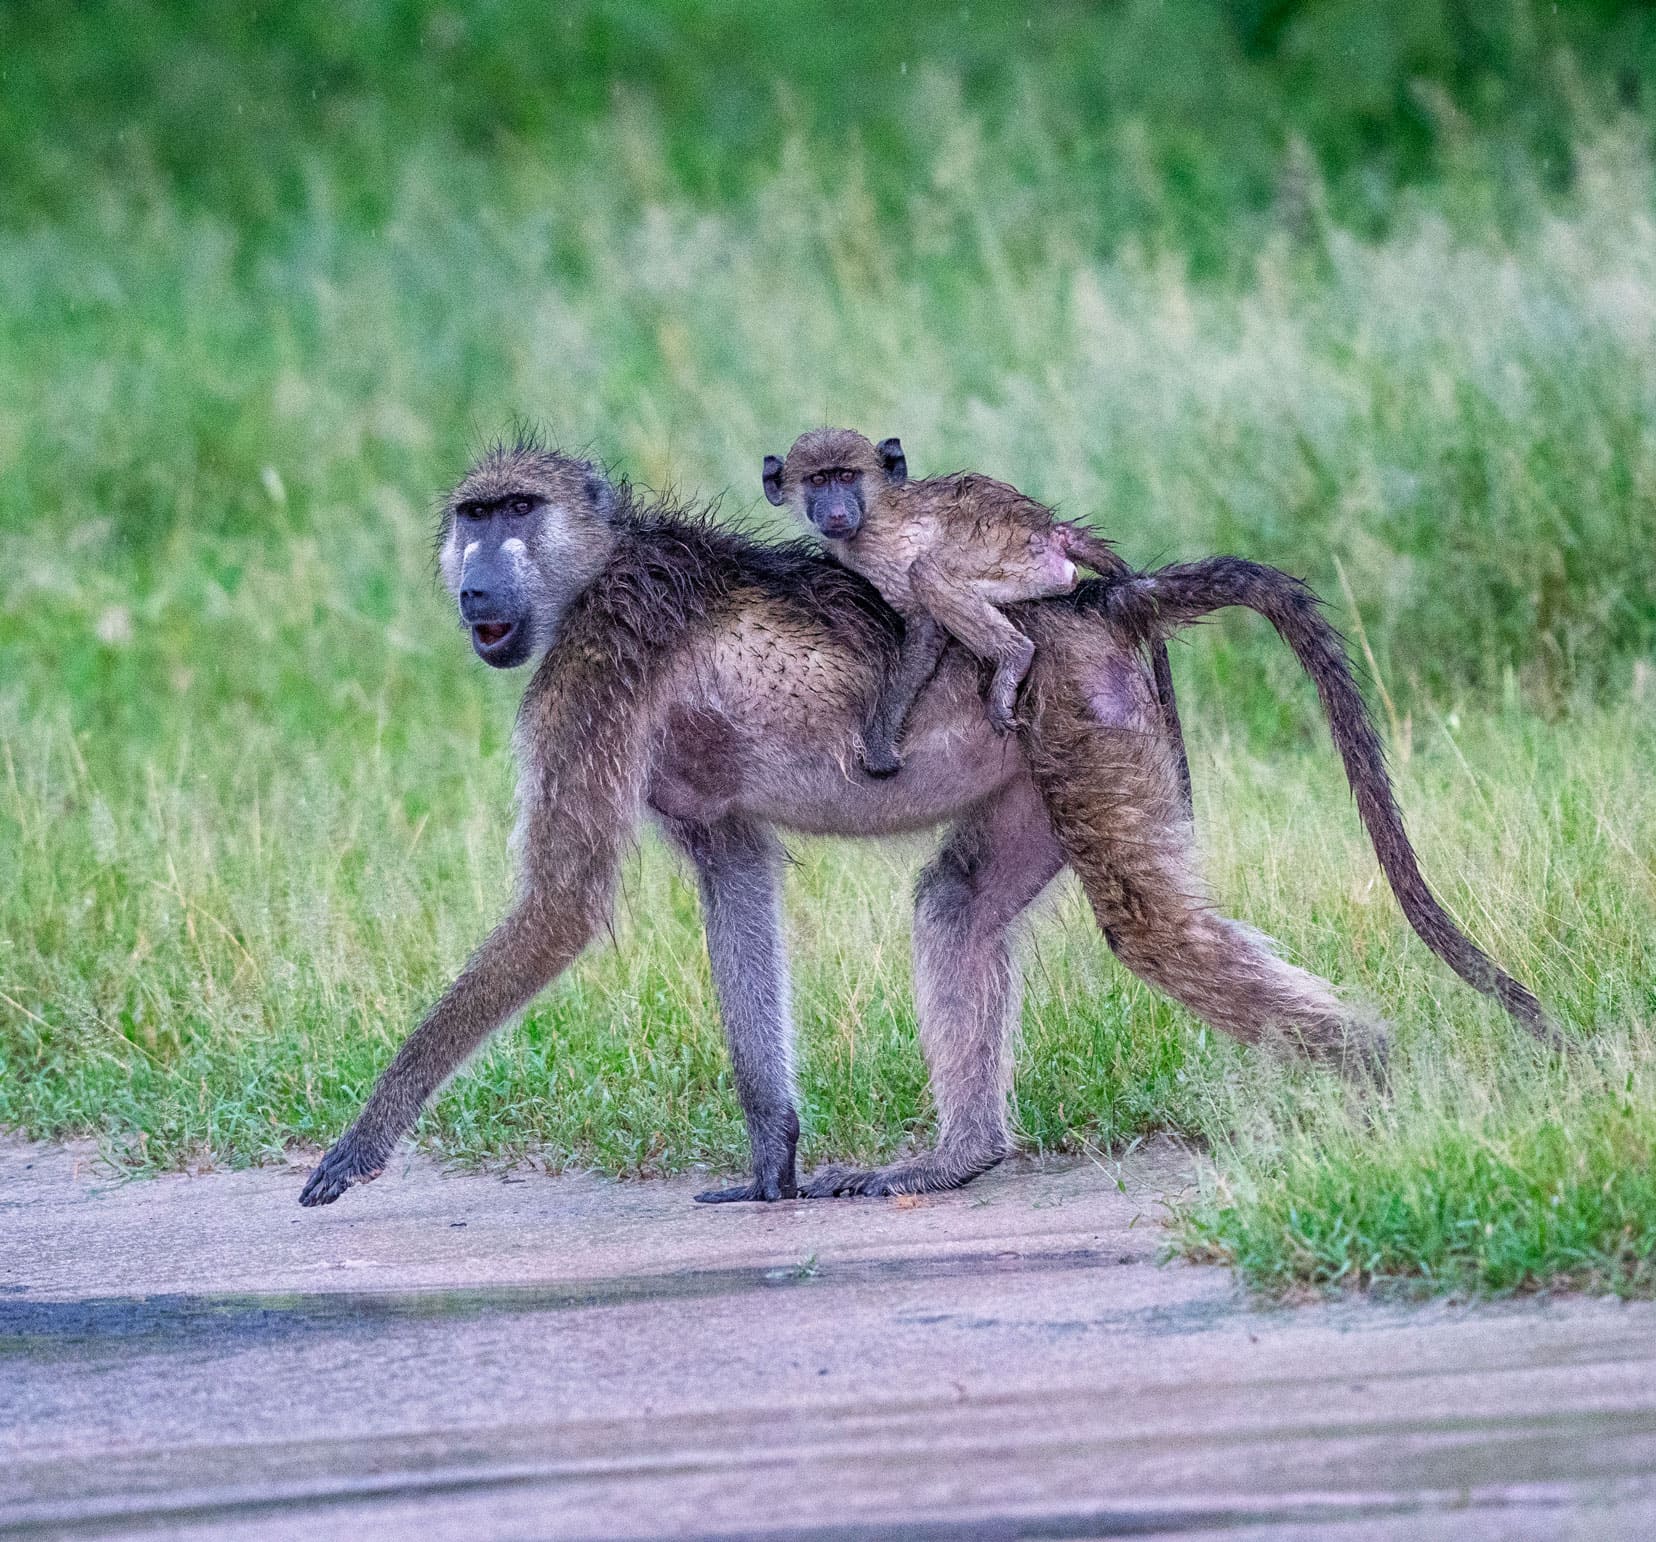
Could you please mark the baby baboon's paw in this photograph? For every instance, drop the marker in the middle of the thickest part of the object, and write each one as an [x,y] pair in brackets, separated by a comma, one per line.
[877,754]
[346,1163]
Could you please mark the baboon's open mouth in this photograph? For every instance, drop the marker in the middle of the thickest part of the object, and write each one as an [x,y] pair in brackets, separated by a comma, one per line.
[500,644]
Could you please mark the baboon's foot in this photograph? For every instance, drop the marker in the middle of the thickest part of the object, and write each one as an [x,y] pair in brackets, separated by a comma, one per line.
[880,758]
[929,1174]
[348,1162]
[1002,718]
[759,1189]
[774,1136]
[1358,1049]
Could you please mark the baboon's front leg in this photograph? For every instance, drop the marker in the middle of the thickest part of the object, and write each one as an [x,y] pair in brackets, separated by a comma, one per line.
[923,644]
[738,865]
[580,808]
[994,865]
[520,957]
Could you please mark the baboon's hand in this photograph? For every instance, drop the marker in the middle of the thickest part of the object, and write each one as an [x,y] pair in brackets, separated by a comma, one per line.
[347,1162]
[760,1189]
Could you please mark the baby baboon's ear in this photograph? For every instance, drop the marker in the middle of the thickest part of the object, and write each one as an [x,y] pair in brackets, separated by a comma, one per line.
[892,458]
[598,489]
[773,480]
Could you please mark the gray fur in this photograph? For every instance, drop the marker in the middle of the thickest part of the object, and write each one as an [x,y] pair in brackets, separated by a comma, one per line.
[719,686]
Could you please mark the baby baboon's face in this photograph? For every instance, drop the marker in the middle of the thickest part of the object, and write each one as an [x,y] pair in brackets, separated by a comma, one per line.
[831,478]
[523,534]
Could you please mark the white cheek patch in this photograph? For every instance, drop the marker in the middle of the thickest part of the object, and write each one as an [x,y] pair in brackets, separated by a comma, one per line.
[450,563]
[470,551]
[514,548]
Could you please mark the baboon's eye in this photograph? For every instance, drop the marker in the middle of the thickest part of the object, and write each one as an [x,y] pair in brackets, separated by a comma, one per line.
[848,476]
[470,510]
[523,505]
[819,479]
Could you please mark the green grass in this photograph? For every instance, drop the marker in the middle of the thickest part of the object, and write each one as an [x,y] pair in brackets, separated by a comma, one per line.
[267,281]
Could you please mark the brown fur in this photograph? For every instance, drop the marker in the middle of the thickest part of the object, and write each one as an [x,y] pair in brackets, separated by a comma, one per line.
[947,552]
[667,643]
[1175,596]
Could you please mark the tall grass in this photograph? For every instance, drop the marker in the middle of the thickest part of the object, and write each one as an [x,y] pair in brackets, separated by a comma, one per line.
[254,790]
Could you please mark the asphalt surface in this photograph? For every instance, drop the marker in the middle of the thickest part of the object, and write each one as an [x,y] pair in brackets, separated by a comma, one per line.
[568,1358]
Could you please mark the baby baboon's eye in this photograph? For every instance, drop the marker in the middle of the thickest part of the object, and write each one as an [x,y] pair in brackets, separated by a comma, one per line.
[848,476]
[522,505]
[818,479]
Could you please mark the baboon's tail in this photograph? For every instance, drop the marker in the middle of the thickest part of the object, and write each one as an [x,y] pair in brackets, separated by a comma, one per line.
[1154,603]
[1093,551]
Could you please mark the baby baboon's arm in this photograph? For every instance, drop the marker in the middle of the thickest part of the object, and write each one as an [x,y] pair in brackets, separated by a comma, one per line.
[923,644]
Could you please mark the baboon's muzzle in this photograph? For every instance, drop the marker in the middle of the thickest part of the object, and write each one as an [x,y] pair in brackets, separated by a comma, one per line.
[836,511]
[498,622]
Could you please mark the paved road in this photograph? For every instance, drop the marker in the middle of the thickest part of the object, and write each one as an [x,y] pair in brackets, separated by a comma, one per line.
[468,1357]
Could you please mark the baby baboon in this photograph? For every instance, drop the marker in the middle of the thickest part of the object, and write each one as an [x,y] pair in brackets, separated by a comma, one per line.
[714,684]
[946,553]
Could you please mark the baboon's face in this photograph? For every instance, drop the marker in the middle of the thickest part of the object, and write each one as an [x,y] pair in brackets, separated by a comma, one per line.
[523,534]
[833,477]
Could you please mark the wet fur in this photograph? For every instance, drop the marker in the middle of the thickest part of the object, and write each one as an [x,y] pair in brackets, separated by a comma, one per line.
[717,686]
[948,553]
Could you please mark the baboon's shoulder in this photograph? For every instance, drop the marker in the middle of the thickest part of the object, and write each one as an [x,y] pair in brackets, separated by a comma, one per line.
[674,574]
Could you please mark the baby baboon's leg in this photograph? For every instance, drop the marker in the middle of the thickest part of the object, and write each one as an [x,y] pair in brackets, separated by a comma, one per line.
[738,866]
[993,866]
[923,644]
[980,628]
[1101,756]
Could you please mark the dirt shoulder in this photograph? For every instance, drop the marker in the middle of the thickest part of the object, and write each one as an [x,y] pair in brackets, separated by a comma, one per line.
[529,1356]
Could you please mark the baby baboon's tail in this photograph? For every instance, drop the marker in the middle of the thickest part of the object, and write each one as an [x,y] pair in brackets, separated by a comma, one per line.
[1100,555]
[1154,603]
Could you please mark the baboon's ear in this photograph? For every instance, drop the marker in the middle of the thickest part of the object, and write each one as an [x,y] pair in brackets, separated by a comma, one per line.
[773,480]
[598,489]
[892,458]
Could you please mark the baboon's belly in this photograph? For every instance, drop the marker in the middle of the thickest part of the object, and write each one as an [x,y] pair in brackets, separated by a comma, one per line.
[942,775]
[773,734]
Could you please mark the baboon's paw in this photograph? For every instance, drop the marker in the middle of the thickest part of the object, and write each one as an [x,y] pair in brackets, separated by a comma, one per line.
[761,1189]
[855,1182]
[880,769]
[877,755]
[344,1165]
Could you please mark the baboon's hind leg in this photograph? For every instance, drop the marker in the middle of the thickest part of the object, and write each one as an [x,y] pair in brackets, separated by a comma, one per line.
[993,866]
[1112,787]
[982,630]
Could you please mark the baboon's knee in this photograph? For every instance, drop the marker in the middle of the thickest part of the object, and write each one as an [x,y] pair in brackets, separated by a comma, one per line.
[947,888]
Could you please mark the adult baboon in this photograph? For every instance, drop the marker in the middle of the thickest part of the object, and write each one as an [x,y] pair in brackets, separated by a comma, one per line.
[719,684]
